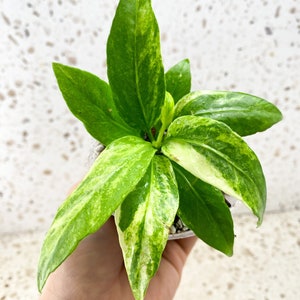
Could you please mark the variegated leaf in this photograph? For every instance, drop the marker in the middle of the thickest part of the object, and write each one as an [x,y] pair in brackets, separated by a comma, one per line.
[203,209]
[113,176]
[211,151]
[134,64]
[143,223]
[243,113]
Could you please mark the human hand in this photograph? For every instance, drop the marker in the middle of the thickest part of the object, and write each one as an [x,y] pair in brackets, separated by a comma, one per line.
[95,270]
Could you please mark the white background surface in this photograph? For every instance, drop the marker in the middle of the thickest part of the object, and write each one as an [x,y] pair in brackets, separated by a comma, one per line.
[249,46]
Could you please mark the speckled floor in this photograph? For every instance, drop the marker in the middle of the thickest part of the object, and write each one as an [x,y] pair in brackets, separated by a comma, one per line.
[265,264]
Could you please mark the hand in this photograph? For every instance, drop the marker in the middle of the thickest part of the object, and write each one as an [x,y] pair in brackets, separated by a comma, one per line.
[95,270]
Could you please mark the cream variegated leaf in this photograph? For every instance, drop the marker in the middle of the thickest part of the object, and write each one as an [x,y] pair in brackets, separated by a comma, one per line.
[143,221]
[112,177]
[211,151]
[134,64]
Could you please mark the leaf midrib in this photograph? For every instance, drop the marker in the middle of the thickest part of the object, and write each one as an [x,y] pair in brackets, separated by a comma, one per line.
[220,154]
[208,111]
[203,202]
[114,121]
[136,73]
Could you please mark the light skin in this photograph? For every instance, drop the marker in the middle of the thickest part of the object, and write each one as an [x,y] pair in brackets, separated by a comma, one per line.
[95,270]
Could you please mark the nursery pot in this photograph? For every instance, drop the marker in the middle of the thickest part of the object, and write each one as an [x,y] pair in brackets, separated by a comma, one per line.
[179,230]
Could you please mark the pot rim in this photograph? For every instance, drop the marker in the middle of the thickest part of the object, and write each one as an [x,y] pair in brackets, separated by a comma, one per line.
[181,235]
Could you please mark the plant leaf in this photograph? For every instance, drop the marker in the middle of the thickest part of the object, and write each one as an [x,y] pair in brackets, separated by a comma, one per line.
[167,111]
[244,113]
[143,223]
[211,151]
[178,80]
[134,62]
[113,176]
[90,100]
[203,209]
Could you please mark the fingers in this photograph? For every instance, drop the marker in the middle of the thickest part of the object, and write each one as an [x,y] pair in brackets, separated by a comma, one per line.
[187,244]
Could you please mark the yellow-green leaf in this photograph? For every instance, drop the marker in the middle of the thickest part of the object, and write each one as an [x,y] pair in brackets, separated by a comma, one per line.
[243,113]
[211,151]
[143,223]
[134,64]
[113,176]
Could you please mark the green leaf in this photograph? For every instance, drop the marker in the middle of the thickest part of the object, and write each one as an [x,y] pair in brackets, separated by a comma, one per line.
[113,176]
[178,80]
[166,117]
[143,223]
[167,112]
[211,151]
[134,62]
[244,113]
[90,100]
[203,209]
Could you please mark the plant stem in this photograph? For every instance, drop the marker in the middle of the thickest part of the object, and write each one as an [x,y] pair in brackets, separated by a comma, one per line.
[157,143]
[166,118]
[150,136]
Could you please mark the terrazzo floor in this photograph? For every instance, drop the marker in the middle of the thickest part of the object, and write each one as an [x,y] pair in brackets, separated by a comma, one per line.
[265,264]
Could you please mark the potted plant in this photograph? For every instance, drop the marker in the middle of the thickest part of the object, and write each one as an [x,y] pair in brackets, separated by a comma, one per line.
[169,152]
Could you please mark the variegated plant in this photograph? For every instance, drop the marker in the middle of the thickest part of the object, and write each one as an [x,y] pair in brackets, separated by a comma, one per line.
[168,151]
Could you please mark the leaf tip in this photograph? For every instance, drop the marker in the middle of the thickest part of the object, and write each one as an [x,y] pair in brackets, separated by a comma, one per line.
[40,282]
[186,60]
[229,249]
[259,221]
[260,215]
[54,65]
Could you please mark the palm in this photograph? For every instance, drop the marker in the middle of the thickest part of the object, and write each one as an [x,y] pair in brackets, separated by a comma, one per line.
[96,270]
